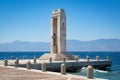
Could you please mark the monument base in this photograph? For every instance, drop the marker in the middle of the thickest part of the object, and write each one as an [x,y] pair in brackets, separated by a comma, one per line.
[56,56]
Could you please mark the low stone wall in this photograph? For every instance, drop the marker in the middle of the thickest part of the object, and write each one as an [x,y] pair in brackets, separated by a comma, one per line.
[70,66]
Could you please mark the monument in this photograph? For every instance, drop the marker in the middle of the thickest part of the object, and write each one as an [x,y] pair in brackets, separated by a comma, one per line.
[57,37]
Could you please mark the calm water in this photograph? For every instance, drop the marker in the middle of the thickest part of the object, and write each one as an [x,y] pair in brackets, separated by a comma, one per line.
[112,74]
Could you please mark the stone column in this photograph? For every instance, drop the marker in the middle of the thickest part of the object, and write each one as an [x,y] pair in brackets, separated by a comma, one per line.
[43,67]
[90,72]
[63,69]
[51,33]
[59,35]
[5,62]
[28,65]
[98,58]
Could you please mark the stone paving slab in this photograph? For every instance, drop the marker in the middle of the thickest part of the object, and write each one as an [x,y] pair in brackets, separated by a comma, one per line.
[7,73]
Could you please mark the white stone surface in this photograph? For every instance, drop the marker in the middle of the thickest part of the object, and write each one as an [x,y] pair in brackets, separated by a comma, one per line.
[58,26]
[57,37]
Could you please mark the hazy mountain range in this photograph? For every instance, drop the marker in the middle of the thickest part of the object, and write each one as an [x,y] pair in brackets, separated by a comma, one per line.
[72,45]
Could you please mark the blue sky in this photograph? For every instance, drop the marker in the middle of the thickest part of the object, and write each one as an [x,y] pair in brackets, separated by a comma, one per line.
[29,20]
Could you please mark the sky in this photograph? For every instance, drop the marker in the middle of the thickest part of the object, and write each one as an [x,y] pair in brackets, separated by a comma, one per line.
[29,20]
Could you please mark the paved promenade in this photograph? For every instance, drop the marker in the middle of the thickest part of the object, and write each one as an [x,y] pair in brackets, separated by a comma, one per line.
[11,73]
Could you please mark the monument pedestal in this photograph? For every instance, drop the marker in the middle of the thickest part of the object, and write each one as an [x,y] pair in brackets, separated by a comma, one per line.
[56,56]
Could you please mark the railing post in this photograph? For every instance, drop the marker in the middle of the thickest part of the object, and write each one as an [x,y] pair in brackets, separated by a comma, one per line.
[28,65]
[88,58]
[90,72]
[77,58]
[16,64]
[34,59]
[5,62]
[98,58]
[64,59]
[43,67]
[17,60]
[63,68]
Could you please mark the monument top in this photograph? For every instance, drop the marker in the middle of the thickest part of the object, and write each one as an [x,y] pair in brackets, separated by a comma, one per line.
[58,12]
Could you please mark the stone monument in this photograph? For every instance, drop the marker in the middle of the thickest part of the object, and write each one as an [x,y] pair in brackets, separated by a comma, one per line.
[57,37]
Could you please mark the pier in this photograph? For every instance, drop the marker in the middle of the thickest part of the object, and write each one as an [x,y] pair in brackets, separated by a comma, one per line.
[71,65]
[32,69]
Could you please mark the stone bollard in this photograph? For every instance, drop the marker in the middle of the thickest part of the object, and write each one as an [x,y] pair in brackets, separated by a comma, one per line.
[63,68]
[28,65]
[90,72]
[43,67]
[17,60]
[5,62]
[98,58]
[88,58]
[107,57]
[16,64]
[64,59]
[50,60]
[77,58]
[34,59]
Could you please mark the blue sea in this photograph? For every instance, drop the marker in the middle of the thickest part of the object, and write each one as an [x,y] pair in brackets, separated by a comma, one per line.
[112,74]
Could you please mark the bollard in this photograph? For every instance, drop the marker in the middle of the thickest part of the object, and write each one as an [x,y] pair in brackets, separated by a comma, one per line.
[98,58]
[34,59]
[17,60]
[64,59]
[77,58]
[5,62]
[16,64]
[90,72]
[28,65]
[43,67]
[63,68]
[50,60]
[87,57]
[107,57]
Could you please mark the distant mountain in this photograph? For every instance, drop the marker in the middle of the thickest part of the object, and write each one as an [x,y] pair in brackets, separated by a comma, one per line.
[72,45]
[25,46]
[94,45]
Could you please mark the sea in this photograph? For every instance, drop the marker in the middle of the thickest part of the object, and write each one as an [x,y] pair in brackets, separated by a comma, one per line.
[113,73]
